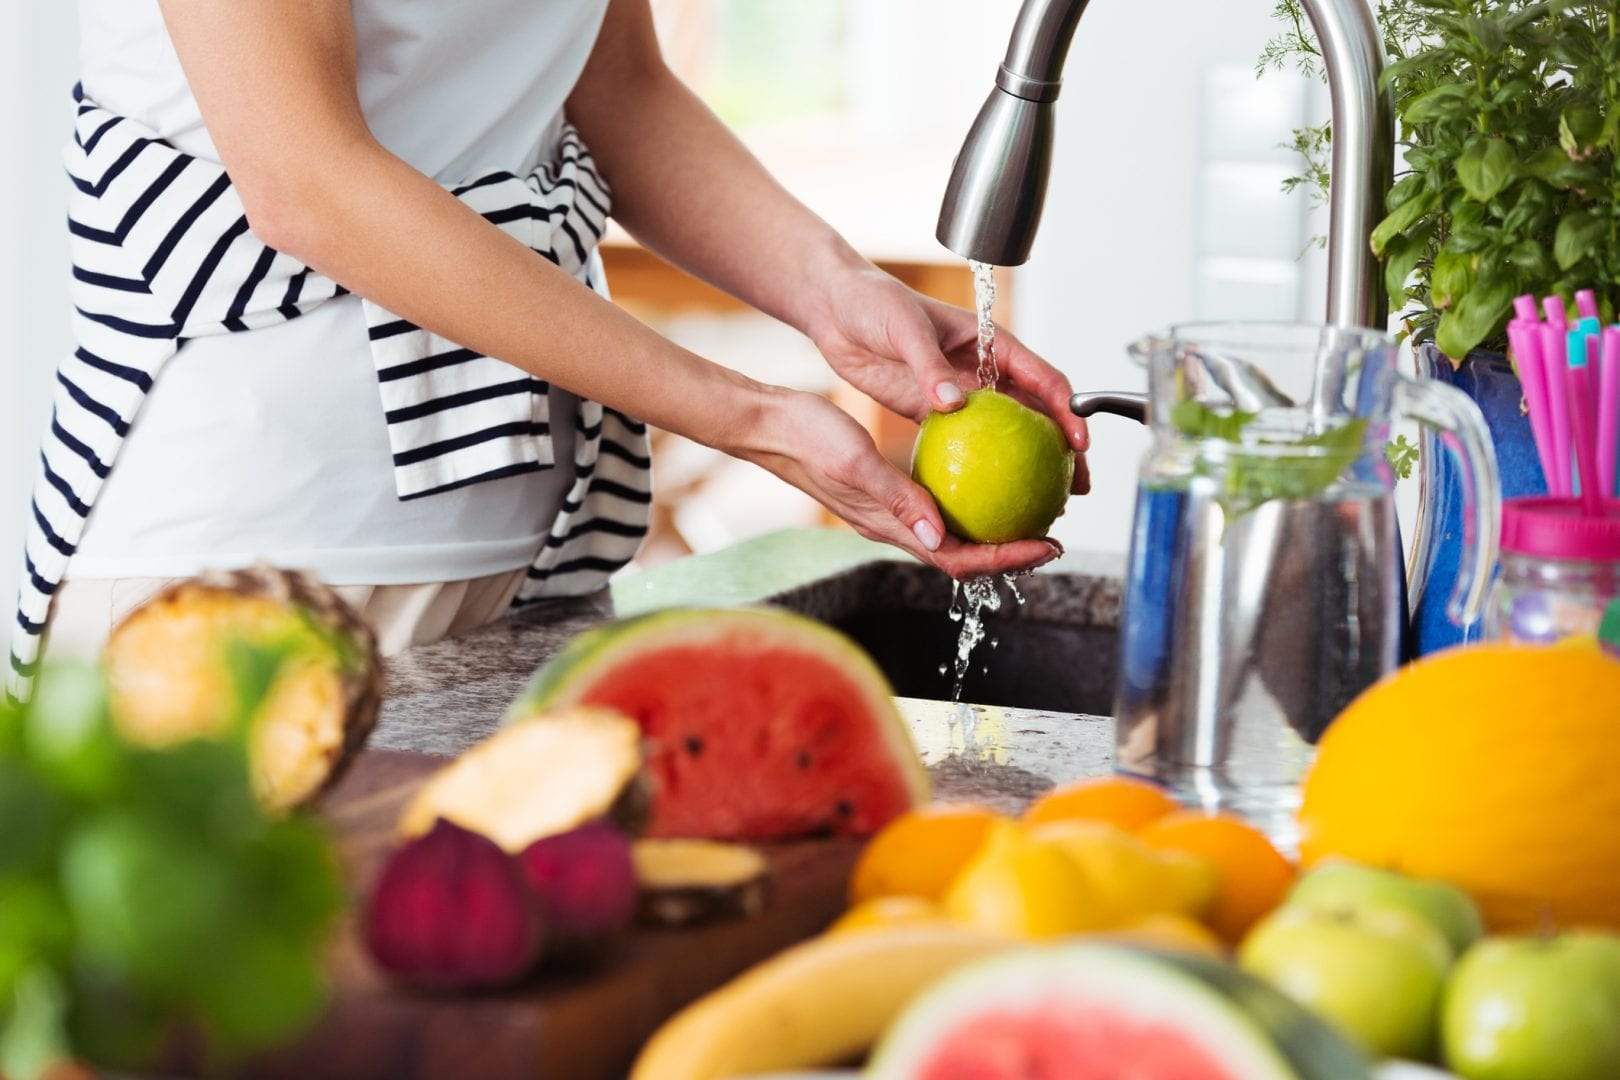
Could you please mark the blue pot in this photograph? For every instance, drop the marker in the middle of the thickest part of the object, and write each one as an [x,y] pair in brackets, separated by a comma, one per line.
[1488,379]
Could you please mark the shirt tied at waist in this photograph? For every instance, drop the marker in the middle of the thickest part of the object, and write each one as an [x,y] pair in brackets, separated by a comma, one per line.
[162,252]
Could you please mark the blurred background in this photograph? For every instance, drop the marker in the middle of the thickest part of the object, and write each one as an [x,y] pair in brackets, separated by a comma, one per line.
[1165,205]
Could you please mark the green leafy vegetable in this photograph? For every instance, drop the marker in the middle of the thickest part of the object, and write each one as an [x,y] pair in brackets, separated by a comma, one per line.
[146,890]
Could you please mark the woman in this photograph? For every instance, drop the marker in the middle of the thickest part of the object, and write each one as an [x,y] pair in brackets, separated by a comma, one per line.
[234,163]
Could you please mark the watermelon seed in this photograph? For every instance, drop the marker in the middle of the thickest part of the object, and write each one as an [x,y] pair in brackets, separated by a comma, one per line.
[802,759]
[844,808]
[694,746]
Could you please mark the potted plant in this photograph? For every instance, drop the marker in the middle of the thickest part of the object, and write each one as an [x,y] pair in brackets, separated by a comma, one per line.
[1509,126]
[1508,130]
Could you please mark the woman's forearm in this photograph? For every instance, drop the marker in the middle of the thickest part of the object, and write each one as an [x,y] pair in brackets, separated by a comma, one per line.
[684,186]
[397,238]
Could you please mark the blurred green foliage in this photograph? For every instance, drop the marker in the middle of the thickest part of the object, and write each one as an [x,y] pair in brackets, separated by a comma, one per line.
[145,891]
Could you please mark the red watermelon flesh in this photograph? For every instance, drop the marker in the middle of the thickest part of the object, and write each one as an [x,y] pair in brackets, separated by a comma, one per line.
[1092,1011]
[759,725]
[1052,1043]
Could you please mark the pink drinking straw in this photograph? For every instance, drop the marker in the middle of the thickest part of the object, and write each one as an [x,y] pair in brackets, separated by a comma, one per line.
[1586,303]
[1608,410]
[1524,308]
[1554,307]
[1578,380]
[1554,363]
[1527,349]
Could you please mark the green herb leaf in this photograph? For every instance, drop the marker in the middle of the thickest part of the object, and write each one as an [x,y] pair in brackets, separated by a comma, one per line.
[1451,277]
[1401,258]
[1446,100]
[1579,127]
[1486,168]
[1475,316]
[1402,218]
[1402,455]
[1199,421]
[1579,234]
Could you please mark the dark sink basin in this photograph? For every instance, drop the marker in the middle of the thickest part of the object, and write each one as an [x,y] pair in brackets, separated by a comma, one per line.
[1057,651]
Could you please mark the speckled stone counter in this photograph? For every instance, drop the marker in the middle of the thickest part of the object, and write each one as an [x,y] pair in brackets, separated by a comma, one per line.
[445,696]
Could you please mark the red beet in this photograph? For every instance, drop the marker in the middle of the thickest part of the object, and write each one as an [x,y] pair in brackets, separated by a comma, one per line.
[585,881]
[450,911]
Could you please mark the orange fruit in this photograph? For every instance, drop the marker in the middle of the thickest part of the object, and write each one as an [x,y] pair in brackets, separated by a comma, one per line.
[1118,800]
[919,852]
[1254,876]
[1493,768]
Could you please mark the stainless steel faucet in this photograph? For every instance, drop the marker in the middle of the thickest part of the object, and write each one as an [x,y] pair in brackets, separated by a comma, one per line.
[998,184]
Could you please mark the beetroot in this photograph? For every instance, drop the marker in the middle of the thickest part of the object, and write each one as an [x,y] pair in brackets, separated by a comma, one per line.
[451,911]
[585,881]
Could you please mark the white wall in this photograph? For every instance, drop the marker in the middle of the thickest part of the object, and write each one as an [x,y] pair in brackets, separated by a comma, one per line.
[1118,245]
[39,43]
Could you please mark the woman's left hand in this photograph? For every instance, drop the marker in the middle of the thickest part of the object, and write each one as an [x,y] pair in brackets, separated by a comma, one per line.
[916,355]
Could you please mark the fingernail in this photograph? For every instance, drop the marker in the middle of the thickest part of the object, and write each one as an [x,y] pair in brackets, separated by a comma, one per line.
[1057,551]
[927,535]
[949,394]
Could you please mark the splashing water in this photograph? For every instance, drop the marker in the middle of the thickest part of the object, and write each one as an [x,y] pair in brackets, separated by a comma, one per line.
[984,300]
[970,602]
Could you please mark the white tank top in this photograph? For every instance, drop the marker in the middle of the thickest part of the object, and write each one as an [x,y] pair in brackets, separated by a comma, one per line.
[270,444]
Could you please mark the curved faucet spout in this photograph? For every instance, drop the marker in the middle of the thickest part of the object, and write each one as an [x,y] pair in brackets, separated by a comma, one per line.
[993,203]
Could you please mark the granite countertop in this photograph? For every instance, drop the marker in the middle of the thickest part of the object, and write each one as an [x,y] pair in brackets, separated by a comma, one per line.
[445,696]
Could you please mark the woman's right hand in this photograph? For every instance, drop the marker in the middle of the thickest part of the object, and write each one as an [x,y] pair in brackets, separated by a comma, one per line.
[820,449]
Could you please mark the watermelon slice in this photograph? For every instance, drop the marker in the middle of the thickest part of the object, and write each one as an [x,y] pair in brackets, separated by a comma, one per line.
[760,725]
[1100,1012]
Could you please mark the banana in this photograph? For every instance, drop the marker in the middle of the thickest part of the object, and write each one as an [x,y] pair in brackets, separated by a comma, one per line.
[823,1002]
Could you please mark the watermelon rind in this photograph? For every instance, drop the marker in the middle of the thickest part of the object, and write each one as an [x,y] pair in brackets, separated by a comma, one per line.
[564,679]
[1255,1032]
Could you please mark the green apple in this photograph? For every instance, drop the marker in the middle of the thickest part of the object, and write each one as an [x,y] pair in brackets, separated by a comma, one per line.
[1535,1009]
[1375,975]
[1346,886]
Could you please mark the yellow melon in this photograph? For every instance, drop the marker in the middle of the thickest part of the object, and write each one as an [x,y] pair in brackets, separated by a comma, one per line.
[1496,768]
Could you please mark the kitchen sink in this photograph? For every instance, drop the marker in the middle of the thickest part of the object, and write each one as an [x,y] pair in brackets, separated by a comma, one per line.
[1057,651]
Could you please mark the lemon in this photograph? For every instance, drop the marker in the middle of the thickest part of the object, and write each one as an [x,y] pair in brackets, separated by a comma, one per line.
[882,912]
[1025,887]
[1000,471]
[1128,879]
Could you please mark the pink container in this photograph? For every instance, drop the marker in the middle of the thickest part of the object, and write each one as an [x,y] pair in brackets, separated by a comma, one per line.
[1560,571]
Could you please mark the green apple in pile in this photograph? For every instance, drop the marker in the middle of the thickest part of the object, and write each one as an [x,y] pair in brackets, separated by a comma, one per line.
[1376,975]
[1339,885]
[1535,1009]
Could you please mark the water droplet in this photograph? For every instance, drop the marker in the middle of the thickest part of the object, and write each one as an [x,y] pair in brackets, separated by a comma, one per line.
[995,643]
[943,668]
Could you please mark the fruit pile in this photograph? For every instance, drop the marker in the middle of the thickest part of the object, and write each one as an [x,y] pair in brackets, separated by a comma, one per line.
[1399,965]
[1115,855]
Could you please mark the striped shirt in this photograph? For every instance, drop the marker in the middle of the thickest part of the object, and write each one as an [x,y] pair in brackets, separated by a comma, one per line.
[162,253]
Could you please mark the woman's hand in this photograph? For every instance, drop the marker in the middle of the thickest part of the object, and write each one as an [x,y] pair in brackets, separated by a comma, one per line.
[915,355]
[818,448]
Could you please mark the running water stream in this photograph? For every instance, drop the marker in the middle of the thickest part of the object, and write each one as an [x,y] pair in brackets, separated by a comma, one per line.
[971,600]
[984,302]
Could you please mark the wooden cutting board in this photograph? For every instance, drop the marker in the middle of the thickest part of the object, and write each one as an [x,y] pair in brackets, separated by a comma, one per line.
[580,1025]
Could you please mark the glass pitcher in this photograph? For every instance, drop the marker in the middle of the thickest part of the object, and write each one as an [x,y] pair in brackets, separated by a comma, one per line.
[1264,585]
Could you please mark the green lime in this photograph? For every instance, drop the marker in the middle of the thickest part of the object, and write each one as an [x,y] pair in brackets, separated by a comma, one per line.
[999,470]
